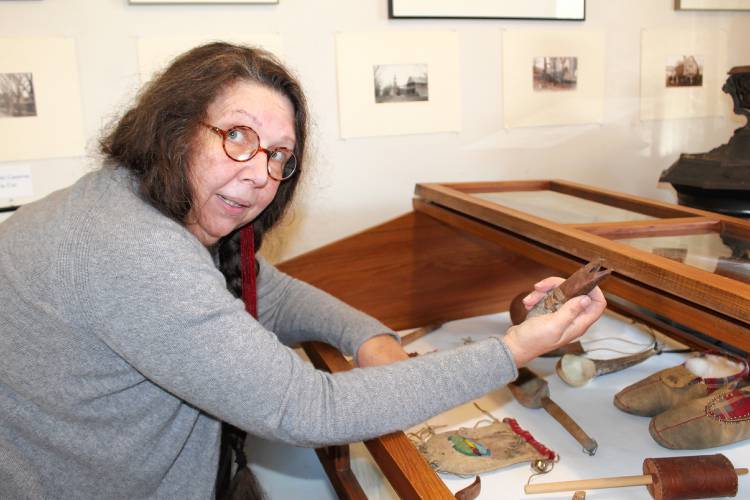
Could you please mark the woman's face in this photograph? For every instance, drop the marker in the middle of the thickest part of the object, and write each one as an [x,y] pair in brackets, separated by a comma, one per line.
[229,194]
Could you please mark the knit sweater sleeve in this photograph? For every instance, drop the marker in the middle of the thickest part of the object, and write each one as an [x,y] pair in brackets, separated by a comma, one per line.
[297,312]
[150,292]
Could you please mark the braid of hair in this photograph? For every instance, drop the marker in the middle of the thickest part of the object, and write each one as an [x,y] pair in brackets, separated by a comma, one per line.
[230,262]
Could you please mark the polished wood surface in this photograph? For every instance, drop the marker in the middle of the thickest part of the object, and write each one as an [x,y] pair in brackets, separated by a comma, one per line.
[649,228]
[406,469]
[415,270]
[335,461]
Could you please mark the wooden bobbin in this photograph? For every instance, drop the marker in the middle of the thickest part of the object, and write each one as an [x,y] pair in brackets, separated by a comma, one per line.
[673,478]
[678,478]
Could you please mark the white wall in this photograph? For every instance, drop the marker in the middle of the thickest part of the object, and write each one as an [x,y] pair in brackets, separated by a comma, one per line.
[353,184]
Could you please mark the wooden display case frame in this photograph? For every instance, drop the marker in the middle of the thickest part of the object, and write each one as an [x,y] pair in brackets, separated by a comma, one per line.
[457,255]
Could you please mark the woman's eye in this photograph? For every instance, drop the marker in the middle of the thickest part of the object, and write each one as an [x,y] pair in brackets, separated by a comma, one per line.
[278,155]
[236,135]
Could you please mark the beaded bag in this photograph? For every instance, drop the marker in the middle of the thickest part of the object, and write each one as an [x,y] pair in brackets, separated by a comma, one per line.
[468,451]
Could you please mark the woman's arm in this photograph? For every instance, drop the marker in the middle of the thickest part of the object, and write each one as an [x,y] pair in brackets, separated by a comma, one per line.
[380,350]
[298,312]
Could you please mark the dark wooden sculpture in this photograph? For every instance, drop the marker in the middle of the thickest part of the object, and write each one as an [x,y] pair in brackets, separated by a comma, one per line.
[719,180]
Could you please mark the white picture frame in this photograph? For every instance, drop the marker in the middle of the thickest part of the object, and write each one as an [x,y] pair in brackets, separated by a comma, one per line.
[525,106]
[200,1]
[712,4]
[357,56]
[658,101]
[55,128]
[156,52]
[560,10]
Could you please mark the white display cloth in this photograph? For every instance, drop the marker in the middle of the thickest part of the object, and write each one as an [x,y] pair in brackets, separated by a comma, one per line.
[624,440]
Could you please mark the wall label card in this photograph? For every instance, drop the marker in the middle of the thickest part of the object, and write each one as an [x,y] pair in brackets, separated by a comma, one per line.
[15,183]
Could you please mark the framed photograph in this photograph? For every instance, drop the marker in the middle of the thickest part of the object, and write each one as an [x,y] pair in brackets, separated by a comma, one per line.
[712,4]
[201,1]
[398,82]
[552,77]
[40,101]
[682,73]
[561,10]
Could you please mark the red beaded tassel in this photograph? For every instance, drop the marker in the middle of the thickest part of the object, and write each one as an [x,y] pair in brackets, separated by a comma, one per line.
[526,435]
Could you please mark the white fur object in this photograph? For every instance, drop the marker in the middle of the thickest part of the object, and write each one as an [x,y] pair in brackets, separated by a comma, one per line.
[713,366]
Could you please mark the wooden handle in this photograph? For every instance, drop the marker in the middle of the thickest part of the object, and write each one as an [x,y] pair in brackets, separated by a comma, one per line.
[589,445]
[594,484]
[589,484]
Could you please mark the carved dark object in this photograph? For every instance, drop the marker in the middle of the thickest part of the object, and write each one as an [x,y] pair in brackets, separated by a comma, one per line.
[580,282]
[719,180]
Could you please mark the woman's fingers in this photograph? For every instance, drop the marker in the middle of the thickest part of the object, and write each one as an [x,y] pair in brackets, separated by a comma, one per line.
[548,283]
[579,314]
[544,333]
[540,289]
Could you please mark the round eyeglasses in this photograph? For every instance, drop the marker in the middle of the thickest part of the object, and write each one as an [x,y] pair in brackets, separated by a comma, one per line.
[241,143]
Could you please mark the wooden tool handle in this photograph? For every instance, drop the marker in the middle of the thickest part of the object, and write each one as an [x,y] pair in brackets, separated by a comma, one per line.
[589,484]
[589,445]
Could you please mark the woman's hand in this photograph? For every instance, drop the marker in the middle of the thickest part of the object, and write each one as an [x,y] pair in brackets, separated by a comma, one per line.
[544,333]
[380,350]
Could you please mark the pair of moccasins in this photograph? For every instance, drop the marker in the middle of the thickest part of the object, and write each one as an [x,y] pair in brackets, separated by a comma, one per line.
[702,403]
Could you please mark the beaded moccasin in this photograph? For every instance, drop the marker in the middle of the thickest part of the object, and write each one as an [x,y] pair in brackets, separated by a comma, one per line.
[686,382]
[715,420]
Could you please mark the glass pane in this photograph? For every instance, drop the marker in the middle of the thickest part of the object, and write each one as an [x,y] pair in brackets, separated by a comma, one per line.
[712,252]
[559,207]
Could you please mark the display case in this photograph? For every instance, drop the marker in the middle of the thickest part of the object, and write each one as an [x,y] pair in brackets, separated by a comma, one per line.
[467,249]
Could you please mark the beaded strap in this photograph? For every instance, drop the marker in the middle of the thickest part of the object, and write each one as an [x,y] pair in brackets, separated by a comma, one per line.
[526,435]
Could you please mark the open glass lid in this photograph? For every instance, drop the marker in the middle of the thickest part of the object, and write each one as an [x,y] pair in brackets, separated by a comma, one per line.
[696,256]
[560,207]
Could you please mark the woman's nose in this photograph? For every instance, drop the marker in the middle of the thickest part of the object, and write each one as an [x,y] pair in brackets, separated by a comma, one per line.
[255,170]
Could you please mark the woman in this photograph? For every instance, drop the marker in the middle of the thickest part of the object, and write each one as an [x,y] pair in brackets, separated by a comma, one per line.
[124,340]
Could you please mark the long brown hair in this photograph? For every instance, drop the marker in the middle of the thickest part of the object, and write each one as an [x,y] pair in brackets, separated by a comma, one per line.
[153,139]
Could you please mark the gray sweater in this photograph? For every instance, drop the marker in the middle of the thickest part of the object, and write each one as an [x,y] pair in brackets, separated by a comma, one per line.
[121,348]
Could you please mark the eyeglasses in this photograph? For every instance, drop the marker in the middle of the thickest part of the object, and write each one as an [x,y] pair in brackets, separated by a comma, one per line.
[242,143]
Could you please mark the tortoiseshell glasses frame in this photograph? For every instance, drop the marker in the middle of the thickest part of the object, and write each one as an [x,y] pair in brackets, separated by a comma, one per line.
[241,143]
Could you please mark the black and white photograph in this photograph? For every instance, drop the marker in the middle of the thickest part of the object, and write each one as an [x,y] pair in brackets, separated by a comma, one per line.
[555,73]
[400,82]
[684,71]
[17,95]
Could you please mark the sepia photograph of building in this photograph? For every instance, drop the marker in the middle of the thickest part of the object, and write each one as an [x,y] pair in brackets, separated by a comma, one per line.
[684,71]
[400,82]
